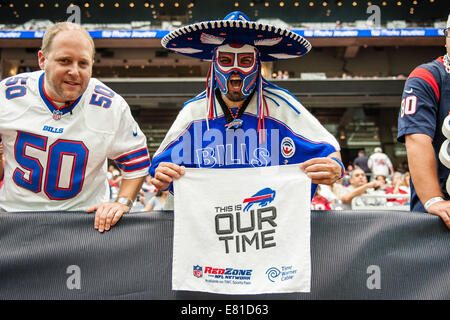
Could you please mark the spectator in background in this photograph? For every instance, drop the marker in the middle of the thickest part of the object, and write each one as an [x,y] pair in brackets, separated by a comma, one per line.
[346,76]
[361,162]
[285,75]
[348,173]
[147,185]
[148,189]
[359,186]
[383,182]
[398,187]
[319,202]
[279,75]
[114,183]
[380,164]
[400,168]
[157,202]
[109,174]
[337,189]
[326,191]
[406,181]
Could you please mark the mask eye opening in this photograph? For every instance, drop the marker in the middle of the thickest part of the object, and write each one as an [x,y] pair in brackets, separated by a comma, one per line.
[225,59]
[246,60]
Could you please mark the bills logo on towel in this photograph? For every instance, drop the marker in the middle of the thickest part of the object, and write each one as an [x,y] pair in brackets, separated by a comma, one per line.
[242,231]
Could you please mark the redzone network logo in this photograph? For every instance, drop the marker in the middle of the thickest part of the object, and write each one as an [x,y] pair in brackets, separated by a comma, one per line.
[223,273]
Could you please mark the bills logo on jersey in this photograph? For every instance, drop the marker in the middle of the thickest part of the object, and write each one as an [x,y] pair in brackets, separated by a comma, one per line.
[235,124]
[262,197]
[287,147]
[198,271]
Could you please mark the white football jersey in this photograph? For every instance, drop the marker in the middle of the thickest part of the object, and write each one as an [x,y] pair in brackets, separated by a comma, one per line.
[56,157]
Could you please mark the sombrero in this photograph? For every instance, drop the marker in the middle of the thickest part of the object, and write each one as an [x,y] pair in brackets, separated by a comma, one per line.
[198,40]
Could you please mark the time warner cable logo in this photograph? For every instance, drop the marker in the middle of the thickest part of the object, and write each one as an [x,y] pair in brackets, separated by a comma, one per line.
[286,273]
[272,273]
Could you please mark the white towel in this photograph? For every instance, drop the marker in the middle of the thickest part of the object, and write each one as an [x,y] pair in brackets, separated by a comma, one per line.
[242,231]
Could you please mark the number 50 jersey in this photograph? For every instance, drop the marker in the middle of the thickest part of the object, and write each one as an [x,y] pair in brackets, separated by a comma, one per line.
[56,157]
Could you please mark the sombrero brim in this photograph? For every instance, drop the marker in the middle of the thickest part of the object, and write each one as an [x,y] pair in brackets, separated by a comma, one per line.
[198,40]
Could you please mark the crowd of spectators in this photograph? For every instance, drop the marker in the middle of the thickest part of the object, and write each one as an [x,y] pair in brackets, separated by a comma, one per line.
[369,182]
[281,75]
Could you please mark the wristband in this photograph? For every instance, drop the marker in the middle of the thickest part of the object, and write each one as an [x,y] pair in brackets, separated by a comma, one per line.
[342,166]
[432,201]
[125,201]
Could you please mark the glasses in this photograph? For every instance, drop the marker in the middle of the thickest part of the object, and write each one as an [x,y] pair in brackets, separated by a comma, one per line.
[446,32]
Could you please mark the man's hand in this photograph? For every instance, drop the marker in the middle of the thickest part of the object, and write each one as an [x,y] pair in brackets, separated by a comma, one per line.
[165,173]
[107,214]
[374,184]
[441,209]
[322,170]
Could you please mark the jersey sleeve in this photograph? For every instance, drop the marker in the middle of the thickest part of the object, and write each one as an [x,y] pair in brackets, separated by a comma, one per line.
[420,101]
[129,149]
[177,144]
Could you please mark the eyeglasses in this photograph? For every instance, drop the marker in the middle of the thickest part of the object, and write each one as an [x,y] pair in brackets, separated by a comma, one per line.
[446,32]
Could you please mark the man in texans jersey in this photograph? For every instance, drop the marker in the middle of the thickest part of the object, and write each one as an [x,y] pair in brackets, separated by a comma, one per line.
[243,120]
[424,126]
[58,128]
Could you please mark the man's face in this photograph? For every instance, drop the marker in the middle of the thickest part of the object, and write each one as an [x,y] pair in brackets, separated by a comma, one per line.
[358,178]
[68,66]
[236,68]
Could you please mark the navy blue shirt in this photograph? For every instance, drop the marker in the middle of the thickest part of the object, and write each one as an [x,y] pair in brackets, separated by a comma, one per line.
[425,105]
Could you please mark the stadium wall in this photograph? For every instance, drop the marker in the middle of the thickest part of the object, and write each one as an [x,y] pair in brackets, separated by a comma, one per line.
[354,255]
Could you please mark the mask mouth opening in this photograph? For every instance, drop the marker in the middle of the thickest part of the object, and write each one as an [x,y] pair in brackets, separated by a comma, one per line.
[236,84]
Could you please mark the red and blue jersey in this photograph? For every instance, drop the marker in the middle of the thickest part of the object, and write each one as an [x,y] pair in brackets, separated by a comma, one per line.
[292,135]
[425,105]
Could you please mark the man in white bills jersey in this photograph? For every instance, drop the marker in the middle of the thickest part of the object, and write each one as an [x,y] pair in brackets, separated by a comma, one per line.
[59,126]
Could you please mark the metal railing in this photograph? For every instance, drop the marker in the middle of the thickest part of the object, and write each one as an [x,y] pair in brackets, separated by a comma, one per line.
[379,202]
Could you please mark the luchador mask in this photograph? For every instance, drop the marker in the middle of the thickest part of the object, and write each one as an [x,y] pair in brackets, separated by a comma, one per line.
[243,59]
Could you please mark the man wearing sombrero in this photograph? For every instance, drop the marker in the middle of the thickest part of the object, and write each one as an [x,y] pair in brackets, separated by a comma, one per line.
[241,119]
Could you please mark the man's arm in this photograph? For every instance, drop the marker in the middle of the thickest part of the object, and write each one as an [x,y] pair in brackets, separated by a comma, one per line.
[324,170]
[423,168]
[347,198]
[109,213]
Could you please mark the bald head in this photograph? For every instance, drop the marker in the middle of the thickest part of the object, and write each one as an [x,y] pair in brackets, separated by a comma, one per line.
[52,31]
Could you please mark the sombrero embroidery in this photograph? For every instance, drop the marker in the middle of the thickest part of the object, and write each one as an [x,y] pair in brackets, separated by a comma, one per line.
[198,40]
